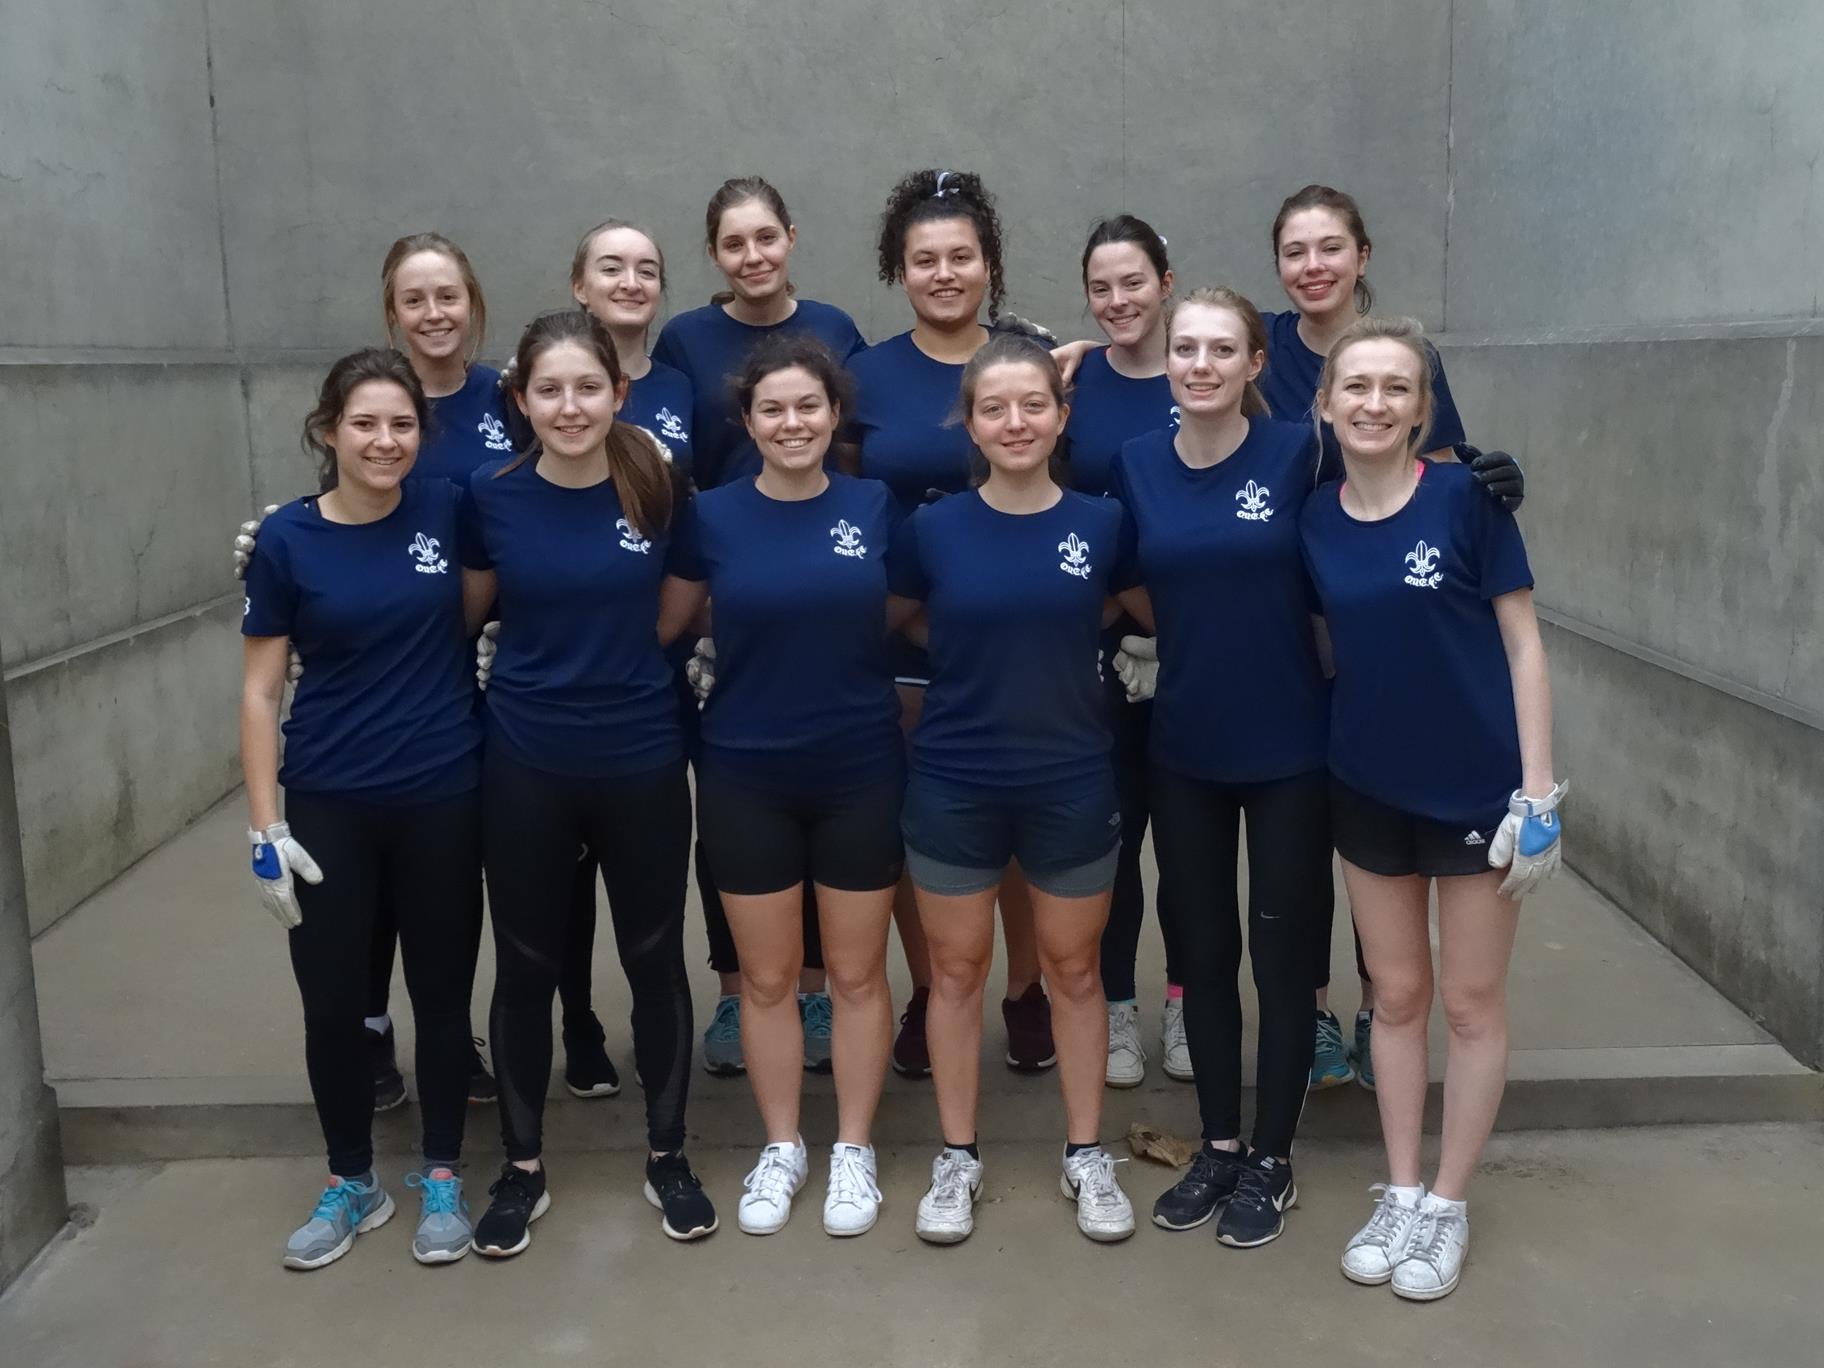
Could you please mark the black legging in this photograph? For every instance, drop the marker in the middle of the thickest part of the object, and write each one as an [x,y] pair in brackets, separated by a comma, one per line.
[1131,724]
[1320,946]
[423,862]
[638,827]
[1195,834]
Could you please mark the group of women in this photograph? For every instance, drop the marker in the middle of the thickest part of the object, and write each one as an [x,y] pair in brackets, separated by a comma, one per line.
[959,631]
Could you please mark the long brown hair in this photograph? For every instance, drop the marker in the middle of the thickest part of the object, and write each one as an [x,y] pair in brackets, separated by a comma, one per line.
[641,475]
[1341,204]
[410,245]
[356,369]
[1253,402]
[739,190]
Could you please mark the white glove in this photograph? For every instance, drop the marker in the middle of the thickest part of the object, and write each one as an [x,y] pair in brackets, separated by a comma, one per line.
[294,666]
[485,647]
[1528,841]
[275,858]
[244,540]
[1137,667]
[700,669]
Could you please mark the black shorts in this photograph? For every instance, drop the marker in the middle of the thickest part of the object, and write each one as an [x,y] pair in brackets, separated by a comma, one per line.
[1383,840]
[759,840]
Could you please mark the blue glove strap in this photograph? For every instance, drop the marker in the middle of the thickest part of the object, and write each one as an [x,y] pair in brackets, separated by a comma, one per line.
[266,862]
[1538,834]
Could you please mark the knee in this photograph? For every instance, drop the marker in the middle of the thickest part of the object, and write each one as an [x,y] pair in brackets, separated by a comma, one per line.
[1075,978]
[767,985]
[1473,1010]
[959,973]
[1401,999]
[857,983]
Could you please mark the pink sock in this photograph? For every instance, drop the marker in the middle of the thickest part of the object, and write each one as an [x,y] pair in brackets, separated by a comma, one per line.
[1174,992]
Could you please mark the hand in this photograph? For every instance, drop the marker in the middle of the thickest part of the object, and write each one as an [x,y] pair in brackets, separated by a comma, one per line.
[276,857]
[1137,667]
[1498,472]
[1070,356]
[485,646]
[1528,841]
[700,669]
[244,540]
[294,666]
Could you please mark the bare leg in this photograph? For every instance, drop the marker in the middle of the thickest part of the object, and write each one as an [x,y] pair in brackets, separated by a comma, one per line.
[960,931]
[1393,917]
[769,937]
[1476,927]
[1069,947]
[1017,934]
[855,954]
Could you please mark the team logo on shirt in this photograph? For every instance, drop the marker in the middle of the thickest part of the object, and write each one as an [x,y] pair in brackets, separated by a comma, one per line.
[1253,500]
[1177,415]
[1076,556]
[246,605]
[494,433]
[671,425]
[848,540]
[428,553]
[631,540]
[1422,567]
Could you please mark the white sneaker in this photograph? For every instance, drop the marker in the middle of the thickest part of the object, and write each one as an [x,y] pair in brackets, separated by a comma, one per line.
[1435,1250]
[946,1213]
[852,1203]
[1177,1049]
[1126,1055]
[766,1201]
[1103,1211]
[1374,1250]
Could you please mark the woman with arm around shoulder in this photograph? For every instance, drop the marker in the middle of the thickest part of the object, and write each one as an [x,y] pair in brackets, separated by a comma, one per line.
[803,765]
[1424,582]
[1010,760]
[380,772]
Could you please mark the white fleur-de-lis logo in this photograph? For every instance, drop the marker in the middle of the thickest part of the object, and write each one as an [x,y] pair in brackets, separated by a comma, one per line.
[848,540]
[630,539]
[671,425]
[1422,567]
[1177,415]
[1076,556]
[494,433]
[428,553]
[1253,500]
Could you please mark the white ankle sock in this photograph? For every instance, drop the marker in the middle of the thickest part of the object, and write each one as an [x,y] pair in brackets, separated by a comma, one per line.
[1433,1202]
[1407,1196]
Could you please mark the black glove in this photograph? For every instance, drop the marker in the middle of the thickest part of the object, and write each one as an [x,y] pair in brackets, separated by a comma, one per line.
[1498,472]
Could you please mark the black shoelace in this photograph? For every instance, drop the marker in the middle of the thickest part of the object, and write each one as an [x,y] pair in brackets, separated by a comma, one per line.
[671,1177]
[1253,1189]
[514,1185]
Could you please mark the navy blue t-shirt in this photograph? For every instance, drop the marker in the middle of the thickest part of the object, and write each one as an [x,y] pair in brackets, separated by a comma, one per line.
[709,347]
[1241,696]
[1422,712]
[905,421]
[467,428]
[1289,384]
[1107,410]
[580,686]
[1015,604]
[385,709]
[661,401]
[804,698]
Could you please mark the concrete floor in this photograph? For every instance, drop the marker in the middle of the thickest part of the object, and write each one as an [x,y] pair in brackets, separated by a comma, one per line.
[1671,1247]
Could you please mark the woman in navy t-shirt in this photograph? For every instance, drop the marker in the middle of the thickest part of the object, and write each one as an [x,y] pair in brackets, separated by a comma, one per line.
[1010,760]
[1239,721]
[583,749]
[803,764]
[1441,764]
[380,770]
[940,238]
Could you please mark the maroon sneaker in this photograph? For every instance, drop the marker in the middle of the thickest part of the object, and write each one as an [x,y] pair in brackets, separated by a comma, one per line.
[1028,1018]
[911,1052]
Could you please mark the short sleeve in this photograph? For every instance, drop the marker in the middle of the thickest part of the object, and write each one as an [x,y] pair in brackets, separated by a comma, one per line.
[270,608]
[854,342]
[471,546]
[905,572]
[666,350]
[684,552]
[1446,422]
[1124,571]
[1500,550]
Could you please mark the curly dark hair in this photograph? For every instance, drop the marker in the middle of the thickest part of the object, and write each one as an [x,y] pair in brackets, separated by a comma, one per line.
[784,351]
[932,195]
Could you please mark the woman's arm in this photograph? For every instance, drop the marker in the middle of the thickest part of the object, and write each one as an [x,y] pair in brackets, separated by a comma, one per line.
[681,601]
[263,662]
[479,590]
[1138,605]
[907,617]
[1532,689]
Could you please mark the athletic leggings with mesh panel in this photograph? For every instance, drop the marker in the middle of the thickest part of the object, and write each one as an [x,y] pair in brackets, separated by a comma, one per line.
[638,828]
[1195,835]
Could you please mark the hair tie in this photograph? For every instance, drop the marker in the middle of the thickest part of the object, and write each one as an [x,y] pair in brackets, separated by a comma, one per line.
[944,190]
[1163,242]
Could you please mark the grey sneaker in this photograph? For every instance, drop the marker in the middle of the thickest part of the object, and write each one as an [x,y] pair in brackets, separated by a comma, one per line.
[444,1233]
[818,1016]
[722,1039]
[347,1208]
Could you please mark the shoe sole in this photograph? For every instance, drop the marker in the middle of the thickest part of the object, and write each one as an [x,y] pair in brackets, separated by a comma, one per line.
[1432,1295]
[539,1208]
[442,1256]
[1201,1220]
[391,1104]
[950,1237]
[593,1090]
[698,1233]
[1329,1081]
[858,1230]
[747,1229]
[1364,1279]
[1031,1066]
[819,1066]
[1280,1229]
[374,1220]
[1099,1236]
[1367,1084]
[1181,1075]
[1133,1080]
[475,1101]
[904,1072]
[724,1070]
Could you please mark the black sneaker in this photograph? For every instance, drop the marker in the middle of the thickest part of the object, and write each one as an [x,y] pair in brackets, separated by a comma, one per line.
[389,1087]
[481,1082]
[1253,1215]
[1205,1186]
[519,1199]
[588,1072]
[674,1190]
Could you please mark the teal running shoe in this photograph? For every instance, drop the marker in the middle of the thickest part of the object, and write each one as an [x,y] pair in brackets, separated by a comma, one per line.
[818,1017]
[1329,1059]
[1362,1055]
[347,1208]
[444,1233]
[722,1039]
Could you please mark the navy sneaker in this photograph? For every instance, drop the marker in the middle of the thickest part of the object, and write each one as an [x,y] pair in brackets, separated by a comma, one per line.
[389,1086]
[520,1198]
[1254,1216]
[674,1190]
[1206,1185]
[588,1072]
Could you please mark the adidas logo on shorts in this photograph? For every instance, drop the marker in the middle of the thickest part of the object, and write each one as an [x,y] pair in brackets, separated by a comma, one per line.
[1474,838]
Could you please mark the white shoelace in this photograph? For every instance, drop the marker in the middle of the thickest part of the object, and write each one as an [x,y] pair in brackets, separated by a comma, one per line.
[1389,1223]
[950,1182]
[850,1182]
[772,1177]
[1124,1031]
[1173,1029]
[1431,1238]
[1096,1185]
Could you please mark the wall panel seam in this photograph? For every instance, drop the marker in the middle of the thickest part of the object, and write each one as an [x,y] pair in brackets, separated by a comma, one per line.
[197,610]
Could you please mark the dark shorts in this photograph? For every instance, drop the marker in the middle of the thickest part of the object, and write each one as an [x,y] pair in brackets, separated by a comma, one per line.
[960,841]
[1383,840]
[761,841]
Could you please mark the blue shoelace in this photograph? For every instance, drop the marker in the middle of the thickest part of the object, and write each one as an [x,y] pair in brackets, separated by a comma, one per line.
[726,1024]
[440,1194]
[339,1200]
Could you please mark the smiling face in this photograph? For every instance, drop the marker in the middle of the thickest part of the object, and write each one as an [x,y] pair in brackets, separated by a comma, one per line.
[570,400]
[751,249]
[1378,395]
[1015,417]
[1126,294]
[1207,360]
[945,273]
[1319,262]
[622,278]
[430,305]
[792,420]
[375,437]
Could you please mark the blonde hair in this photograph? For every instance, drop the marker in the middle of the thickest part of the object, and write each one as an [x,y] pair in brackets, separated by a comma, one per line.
[1253,402]
[1410,334]
[410,245]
